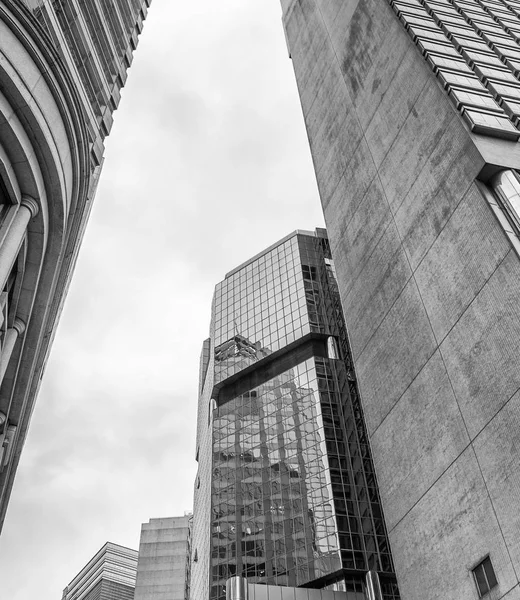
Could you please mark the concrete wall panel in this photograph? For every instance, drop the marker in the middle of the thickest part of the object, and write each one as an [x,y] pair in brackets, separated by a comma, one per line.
[357,240]
[429,121]
[497,449]
[446,533]
[459,263]
[513,594]
[418,440]
[403,343]
[482,351]
[161,568]
[392,112]
[436,192]
[372,295]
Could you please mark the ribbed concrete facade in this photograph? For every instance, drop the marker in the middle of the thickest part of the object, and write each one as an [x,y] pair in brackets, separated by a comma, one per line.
[109,575]
[62,65]
[430,285]
[163,557]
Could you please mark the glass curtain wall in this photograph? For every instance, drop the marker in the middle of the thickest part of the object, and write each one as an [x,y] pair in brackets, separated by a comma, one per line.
[294,499]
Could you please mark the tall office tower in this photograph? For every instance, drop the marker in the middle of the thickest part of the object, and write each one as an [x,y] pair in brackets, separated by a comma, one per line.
[110,575]
[411,109]
[162,568]
[285,493]
[62,66]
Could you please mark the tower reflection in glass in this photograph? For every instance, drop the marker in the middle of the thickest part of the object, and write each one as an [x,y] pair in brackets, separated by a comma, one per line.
[294,500]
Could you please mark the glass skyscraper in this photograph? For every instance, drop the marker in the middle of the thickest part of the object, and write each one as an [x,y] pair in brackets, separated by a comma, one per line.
[286,493]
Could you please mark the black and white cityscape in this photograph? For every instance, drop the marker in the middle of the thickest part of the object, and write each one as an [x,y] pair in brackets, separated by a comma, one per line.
[260,300]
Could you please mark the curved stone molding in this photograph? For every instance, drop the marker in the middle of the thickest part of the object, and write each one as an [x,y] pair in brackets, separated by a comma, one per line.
[7,175]
[54,117]
[10,339]
[44,164]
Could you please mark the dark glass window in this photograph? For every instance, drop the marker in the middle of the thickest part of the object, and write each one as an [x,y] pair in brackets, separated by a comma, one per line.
[485,578]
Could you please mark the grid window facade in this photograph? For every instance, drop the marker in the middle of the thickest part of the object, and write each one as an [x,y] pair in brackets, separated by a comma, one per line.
[273,512]
[264,301]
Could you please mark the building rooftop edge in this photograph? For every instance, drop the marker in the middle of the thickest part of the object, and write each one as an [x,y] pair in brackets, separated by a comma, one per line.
[273,246]
[155,519]
[103,550]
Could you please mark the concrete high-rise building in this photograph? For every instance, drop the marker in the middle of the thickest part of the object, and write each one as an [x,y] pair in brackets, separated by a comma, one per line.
[285,493]
[109,575]
[411,109]
[62,66]
[163,566]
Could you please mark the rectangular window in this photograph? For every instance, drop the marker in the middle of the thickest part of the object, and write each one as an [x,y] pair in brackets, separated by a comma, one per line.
[479,58]
[494,74]
[464,98]
[439,49]
[484,576]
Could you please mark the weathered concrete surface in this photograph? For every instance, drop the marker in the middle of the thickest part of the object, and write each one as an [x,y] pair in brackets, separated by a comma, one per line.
[161,568]
[430,285]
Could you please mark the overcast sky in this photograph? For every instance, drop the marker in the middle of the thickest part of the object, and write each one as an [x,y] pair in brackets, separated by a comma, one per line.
[207,164]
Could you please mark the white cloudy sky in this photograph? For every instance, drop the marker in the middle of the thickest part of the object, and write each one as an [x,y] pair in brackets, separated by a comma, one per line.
[207,164]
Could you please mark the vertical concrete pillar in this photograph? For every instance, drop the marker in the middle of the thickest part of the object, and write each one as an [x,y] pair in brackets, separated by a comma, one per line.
[11,335]
[11,246]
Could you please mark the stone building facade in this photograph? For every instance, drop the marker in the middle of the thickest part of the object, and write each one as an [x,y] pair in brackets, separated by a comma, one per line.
[62,66]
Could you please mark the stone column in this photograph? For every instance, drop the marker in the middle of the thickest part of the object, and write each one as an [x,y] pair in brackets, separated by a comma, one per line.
[11,335]
[11,246]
